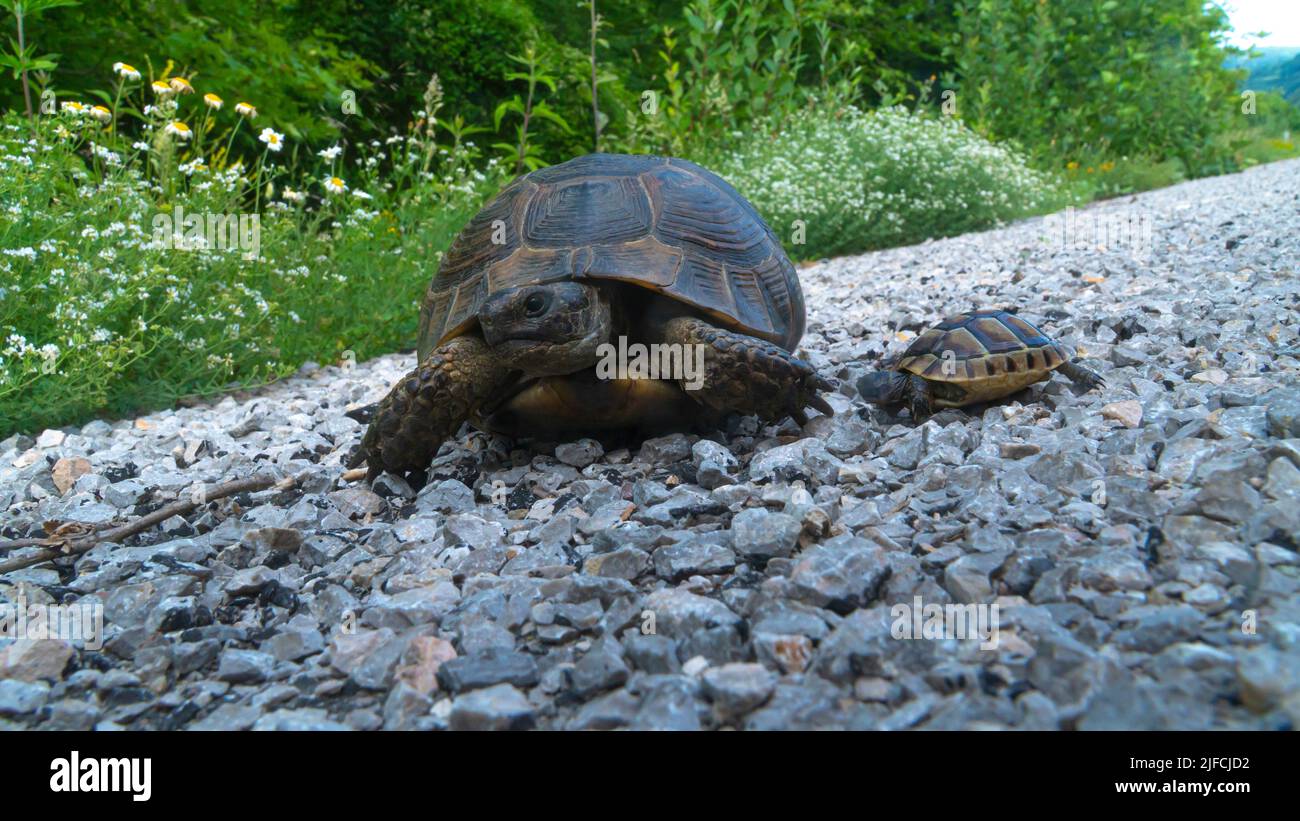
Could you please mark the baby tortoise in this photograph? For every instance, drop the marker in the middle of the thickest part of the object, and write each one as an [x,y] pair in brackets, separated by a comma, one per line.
[974,357]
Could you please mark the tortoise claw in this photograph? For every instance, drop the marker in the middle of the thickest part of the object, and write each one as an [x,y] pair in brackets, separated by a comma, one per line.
[821,405]
[808,396]
[363,414]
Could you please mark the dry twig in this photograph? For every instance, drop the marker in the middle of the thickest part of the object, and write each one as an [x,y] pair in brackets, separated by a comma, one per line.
[61,543]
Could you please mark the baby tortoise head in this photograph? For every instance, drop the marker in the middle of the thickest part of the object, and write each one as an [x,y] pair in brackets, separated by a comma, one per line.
[883,387]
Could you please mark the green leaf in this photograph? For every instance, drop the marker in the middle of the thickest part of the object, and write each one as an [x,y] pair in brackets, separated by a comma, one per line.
[513,104]
[544,111]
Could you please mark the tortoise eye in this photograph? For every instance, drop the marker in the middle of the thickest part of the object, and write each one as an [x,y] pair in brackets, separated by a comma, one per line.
[535,304]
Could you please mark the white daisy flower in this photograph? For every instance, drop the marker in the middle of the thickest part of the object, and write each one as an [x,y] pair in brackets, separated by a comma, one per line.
[126,70]
[273,141]
[335,185]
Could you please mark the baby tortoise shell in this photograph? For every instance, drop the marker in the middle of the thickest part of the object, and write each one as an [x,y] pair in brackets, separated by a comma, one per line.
[981,356]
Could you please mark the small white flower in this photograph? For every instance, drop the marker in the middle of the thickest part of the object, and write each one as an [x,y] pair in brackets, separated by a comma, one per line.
[332,152]
[179,130]
[127,71]
[213,101]
[273,141]
[335,185]
[245,110]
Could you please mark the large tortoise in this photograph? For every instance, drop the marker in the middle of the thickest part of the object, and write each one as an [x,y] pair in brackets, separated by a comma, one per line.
[973,357]
[571,262]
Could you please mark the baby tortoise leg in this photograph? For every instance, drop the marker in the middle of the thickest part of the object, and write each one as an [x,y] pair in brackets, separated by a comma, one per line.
[918,398]
[428,405]
[894,388]
[748,375]
[1080,375]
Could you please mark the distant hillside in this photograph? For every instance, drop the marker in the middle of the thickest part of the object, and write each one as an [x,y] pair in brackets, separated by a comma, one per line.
[1275,69]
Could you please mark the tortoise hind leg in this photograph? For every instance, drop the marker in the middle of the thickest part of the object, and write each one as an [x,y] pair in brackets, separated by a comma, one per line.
[1080,375]
[428,405]
[746,374]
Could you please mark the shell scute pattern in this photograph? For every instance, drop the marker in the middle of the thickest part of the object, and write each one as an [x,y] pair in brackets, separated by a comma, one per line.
[664,224]
[981,345]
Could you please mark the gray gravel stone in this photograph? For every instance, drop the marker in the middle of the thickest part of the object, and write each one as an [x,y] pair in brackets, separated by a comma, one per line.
[18,698]
[245,666]
[760,534]
[736,689]
[493,667]
[500,707]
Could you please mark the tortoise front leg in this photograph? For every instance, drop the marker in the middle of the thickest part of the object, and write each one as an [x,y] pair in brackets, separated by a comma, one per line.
[428,405]
[917,396]
[1080,375]
[746,374]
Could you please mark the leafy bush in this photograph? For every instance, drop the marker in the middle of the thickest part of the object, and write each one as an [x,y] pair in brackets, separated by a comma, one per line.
[859,181]
[299,73]
[465,42]
[738,62]
[1076,78]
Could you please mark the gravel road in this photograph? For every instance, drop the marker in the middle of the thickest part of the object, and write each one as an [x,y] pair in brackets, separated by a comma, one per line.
[1135,547]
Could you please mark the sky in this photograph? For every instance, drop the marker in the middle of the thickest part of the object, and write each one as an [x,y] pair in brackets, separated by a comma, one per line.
[1279,17]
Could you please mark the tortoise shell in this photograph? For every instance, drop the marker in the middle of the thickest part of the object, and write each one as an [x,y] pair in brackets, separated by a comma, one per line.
[983,345]
[664,224]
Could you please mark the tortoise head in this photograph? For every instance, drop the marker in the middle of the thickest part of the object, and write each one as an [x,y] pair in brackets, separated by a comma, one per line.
[546,330]
[883,387]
